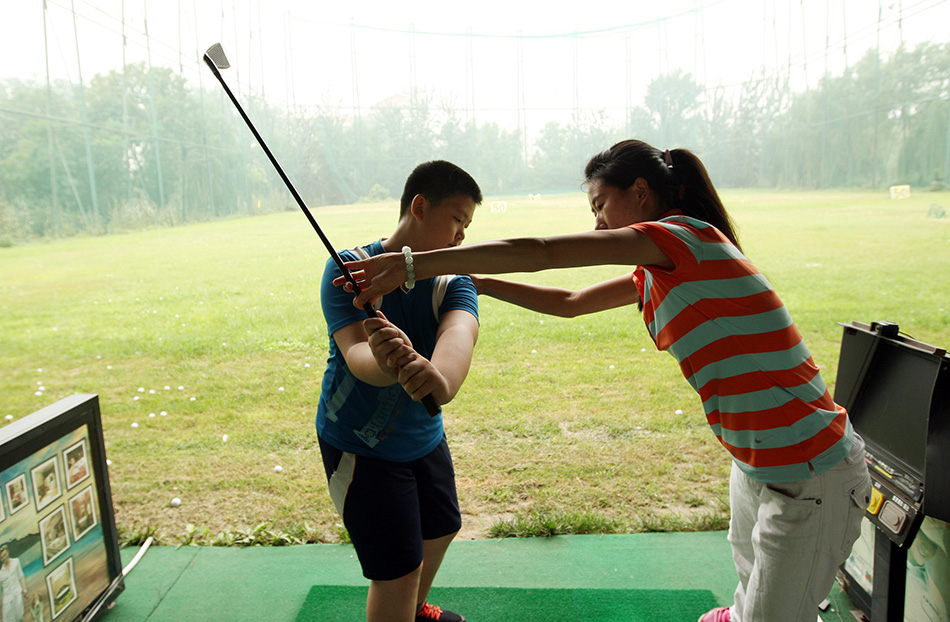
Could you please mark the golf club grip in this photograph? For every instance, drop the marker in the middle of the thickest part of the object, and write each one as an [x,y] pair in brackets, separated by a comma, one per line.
[428,401]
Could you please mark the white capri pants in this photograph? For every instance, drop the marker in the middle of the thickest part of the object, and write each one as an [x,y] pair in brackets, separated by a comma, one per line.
[788,539]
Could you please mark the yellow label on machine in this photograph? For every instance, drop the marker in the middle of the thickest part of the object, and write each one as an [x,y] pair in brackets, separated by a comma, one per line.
[876,500]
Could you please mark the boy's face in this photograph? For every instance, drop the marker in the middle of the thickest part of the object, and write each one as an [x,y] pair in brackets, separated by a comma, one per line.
[445,223]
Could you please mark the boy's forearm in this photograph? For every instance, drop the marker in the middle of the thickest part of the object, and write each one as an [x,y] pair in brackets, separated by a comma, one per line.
[363,365]
[454,368]
[455,345]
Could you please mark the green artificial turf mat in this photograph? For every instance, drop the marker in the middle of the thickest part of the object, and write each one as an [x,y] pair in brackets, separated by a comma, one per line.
[339,603]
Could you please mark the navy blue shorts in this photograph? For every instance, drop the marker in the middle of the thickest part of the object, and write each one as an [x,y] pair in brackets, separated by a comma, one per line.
[390,508]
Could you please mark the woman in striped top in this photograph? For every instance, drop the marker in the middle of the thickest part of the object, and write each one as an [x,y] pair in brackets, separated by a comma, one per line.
[799,481]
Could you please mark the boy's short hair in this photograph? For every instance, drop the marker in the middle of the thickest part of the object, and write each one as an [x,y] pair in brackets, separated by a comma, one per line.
[438,180]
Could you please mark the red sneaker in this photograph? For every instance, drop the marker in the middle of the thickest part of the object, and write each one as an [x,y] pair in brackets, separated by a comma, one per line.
[719,614]
[431,613]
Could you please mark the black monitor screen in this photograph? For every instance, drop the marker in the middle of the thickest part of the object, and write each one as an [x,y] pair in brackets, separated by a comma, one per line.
[892,405]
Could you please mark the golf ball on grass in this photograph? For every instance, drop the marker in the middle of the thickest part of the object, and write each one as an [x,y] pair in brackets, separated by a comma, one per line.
[278,469]
[175,502]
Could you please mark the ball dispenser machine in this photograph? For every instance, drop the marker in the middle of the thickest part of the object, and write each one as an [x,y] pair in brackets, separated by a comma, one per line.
[897,392]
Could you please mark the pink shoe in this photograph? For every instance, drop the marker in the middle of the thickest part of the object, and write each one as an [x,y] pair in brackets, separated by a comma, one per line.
[719,614]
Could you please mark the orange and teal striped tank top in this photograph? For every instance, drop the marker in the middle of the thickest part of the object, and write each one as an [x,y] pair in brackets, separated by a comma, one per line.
[738,347]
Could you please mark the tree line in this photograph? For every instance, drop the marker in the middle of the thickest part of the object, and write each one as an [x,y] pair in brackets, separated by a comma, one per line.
[141,148]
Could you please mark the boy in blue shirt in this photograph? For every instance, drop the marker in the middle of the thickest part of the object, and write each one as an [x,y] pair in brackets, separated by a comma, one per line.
[387,461]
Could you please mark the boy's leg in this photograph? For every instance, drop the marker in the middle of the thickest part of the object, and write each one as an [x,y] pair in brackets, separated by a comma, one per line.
[439,511]
[805,530]
[433,552]
[378,503]
[398,515]
[393,601]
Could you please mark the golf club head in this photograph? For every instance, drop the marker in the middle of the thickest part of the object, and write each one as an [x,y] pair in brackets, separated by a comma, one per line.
[217,56]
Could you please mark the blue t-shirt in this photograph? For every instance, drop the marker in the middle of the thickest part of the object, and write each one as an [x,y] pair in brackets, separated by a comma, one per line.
[383,422]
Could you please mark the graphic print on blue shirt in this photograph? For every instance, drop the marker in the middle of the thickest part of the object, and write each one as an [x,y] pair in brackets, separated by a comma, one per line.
[383,422]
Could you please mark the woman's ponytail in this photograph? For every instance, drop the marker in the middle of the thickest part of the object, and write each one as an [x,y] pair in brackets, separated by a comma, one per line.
[695,195]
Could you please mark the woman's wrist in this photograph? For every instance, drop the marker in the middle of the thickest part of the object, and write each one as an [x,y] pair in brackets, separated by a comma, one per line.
[482,284]
[410,269]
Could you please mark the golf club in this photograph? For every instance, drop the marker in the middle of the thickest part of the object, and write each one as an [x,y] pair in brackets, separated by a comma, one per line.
[216,59]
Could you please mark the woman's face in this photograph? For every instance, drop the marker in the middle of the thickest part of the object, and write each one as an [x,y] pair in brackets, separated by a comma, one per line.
[614,208]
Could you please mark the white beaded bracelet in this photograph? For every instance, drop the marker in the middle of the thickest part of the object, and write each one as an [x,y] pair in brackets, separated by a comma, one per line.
[410,270]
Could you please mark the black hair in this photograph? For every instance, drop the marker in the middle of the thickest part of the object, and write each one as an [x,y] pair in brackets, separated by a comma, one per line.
[437,181]
[682,184]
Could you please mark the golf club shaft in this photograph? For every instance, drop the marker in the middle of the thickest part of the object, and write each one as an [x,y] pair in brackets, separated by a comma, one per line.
[428,401]
[287,182]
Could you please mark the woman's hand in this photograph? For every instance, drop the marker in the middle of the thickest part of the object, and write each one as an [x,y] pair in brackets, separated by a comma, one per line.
[375,276]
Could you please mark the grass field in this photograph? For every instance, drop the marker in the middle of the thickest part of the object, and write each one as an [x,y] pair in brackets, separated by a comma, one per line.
[210,331]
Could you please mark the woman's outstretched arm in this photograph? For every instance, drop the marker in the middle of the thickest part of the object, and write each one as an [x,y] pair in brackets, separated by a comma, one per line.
[383,273]
[610,294]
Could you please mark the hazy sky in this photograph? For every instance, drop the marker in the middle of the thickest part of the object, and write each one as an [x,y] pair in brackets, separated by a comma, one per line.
[497,56]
